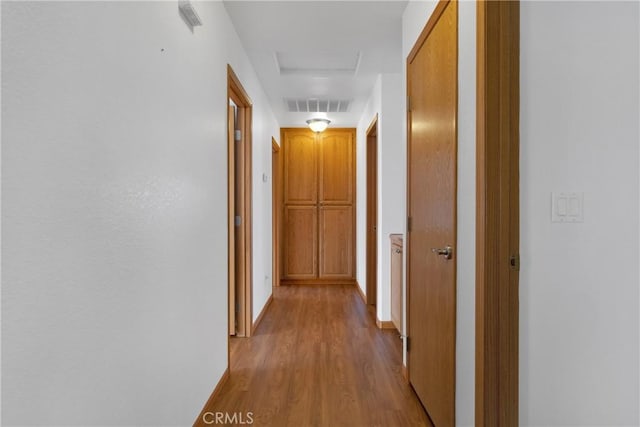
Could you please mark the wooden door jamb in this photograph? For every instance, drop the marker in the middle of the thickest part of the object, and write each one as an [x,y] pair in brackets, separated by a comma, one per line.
[497,214]
[236,92]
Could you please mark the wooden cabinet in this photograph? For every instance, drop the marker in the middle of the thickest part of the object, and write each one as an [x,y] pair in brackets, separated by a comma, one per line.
[336,152]
[300,168]
[396,280]
[336,242]
[301,241]
[319,206]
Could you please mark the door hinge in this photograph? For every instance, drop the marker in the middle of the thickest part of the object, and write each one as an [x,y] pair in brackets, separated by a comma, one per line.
[409,223]
[238,220]
[514,262]
[408,103]
[408,344]
[238,135]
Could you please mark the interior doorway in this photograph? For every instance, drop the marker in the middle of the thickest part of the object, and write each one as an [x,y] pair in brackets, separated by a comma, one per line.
[239,207]
[372,212]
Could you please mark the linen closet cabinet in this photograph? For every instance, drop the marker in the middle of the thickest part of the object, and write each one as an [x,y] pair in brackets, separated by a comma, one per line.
[319,206]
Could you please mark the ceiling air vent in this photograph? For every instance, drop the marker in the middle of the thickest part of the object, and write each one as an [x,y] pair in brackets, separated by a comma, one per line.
[317,105]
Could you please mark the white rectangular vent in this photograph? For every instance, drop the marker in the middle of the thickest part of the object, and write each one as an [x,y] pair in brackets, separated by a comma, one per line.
[317,105]
[189,13]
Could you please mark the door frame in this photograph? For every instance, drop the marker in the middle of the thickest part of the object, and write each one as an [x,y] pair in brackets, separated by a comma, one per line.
[239,96]
[276,209]
[372,212]
[497,212]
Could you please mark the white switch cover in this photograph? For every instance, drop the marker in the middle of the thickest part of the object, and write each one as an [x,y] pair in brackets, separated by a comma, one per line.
[567,207]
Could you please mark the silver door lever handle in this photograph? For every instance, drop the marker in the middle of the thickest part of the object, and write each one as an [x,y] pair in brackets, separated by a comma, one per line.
[447,252]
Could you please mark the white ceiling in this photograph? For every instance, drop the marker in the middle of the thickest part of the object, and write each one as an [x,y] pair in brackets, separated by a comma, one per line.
[325,50]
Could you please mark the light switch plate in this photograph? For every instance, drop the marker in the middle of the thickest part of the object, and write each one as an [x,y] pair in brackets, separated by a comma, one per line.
[567,207]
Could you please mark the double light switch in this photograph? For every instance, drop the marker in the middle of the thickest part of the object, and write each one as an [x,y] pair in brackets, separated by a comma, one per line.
[567,207]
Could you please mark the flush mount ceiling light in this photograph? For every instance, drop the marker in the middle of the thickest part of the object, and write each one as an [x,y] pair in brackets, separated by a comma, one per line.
[318,125]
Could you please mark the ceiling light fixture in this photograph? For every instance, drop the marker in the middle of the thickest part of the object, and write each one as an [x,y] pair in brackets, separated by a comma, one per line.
[318,125]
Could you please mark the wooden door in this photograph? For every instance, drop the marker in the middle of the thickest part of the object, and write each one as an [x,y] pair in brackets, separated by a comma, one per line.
[336,189]
[431,205]
[336,242]
[301,168]
[372,213]
[336,151]
[301,242]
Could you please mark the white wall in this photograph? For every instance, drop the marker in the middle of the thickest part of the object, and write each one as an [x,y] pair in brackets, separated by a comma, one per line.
[373,107]
[265,127]
[114,284]
[466,269]
[415,18]
[391,177]
[385,101]
[579,282]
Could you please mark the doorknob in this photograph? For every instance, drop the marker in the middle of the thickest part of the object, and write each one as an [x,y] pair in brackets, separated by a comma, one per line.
[447,252]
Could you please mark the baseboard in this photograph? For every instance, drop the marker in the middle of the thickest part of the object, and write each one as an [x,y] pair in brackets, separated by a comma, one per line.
[364,298]
[261,315]
[216,391]
[288,282]
[385,324]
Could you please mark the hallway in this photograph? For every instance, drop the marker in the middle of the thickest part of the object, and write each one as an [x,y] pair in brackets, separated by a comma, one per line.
[317,359]
[116,211]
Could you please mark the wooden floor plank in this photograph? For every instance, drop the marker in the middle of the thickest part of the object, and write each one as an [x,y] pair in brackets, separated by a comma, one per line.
[318,359]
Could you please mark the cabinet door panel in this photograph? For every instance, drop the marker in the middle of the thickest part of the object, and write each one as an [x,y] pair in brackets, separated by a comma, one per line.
[336,167]
[301,167]
[336,242]
[300,242]
[396,281]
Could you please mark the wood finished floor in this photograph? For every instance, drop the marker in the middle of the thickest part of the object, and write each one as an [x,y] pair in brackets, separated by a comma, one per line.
[317,359]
